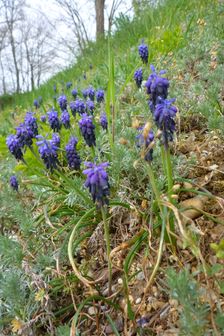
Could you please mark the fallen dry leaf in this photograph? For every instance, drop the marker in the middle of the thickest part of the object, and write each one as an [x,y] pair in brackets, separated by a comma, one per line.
[196,203]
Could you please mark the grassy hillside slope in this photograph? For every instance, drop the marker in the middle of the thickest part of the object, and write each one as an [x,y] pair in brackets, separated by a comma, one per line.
[164,222]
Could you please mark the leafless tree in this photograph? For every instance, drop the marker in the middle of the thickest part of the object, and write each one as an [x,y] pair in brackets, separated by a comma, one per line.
[3,31]
[12,12]
[38,53]
[112,8]
[99,10]
[72,18]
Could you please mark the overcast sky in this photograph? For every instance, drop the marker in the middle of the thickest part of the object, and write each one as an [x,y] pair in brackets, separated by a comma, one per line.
[86,8]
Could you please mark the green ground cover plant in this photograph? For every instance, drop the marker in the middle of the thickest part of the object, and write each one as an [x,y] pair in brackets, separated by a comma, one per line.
[96,223]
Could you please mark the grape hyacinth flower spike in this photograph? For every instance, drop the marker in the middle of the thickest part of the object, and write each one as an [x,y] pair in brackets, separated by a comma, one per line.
[91,93]
[103,121]
[43,118]
[53,120]
[36,103]
[87,129]
[138,77]
[90,106]
[78,106]
[14,182]
[14,146]
[68,85]
[164,116]
[97,182]
[62,101]
[74,93]
[65,119]
[99,188]
[72,156]
[143,52]
[99,96]
[56,140]
[144,139]
[48,153]
[31,122]
[25,135]
[85,93]
[156,87]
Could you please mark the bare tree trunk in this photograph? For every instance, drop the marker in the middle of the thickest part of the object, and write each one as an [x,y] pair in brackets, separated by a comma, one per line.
[12,42]
[3,76]
[99,8]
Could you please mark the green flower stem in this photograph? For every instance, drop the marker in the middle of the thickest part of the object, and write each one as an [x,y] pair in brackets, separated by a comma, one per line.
[163,210]
[154,187]
[167,165]
[169,172]
[107,239]
[163,158]
[93,152]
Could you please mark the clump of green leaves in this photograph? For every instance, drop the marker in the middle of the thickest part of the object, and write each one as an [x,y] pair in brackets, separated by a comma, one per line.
[194,313]
[219,249]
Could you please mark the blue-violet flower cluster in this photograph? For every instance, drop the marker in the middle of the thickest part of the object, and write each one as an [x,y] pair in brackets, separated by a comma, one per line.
[97,182]
[53,120]
[138,77]
[14,182]
[72,156]
[143,52]
[48,153]
[87,129]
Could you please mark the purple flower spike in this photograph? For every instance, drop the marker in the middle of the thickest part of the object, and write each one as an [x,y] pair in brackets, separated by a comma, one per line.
[157,87]
[65,119]
[74,93]
[99,96]
[87,129]
[14,146]
[143,52]
[97,182]
[78,106]
[36,103]
[68,85]
[85,93]
[144,142]
[53,120]
[164,116]
[138,77]
[25,135]
[73,108]
[90,106]
[31,122]
[48,153]
[103,121]
[56,140]
[62,101]
[14,182]
[91,93]
[72,156]
[43,118]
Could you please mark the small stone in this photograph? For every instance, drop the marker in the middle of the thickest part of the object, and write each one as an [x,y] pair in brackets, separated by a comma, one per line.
[113,288]
[120,281]
[119,325]
[131,299]
[92,311]
[140,276]
[155,291]
[106,291]
[138,300]
[173,303]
